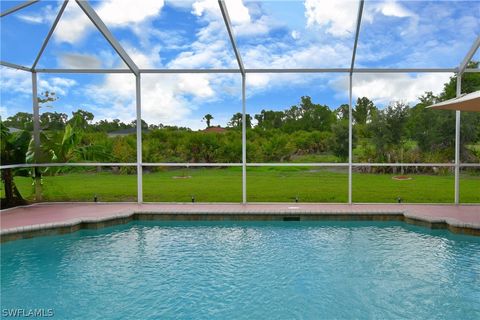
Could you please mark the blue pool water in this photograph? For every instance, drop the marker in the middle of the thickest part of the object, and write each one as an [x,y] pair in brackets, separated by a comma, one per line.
[251,270]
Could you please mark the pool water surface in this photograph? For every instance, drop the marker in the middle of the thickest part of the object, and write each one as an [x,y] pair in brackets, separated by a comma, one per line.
[246,270]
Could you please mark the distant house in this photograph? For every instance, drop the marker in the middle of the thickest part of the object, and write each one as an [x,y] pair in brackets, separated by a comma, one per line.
[13,130]
[215,129]
[124,132]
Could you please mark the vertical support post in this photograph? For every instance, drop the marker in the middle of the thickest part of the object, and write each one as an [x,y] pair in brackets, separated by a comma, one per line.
[139,139]
[457,143]
[36,136]
[244,143]
[350,137]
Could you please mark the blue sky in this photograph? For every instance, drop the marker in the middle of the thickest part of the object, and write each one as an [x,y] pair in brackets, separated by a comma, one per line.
[270,34]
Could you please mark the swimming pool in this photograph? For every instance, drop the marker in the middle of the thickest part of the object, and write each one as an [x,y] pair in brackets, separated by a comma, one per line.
[240,270]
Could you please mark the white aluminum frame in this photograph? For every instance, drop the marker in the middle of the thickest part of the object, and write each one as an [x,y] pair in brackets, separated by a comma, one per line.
[133,68]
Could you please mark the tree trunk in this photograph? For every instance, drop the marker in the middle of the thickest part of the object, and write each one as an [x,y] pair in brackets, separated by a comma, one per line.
[7,178]
[12,195]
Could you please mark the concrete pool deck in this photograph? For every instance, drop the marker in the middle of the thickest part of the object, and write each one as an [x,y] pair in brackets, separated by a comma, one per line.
[59,218]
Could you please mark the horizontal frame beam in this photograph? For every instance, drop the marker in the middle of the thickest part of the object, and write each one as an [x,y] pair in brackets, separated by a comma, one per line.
[14,66]
[355,70]
[73,164]
[105,71]
[280,164]
[404,165]
[191,71]
[209,164]
[181,164]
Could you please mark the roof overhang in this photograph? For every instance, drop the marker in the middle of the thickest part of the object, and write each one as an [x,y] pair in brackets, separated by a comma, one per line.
[466,102]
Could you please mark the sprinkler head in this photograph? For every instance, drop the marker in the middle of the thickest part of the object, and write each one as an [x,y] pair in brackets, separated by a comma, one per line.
[296,199]
[95,199]
[399,200]
[193,199]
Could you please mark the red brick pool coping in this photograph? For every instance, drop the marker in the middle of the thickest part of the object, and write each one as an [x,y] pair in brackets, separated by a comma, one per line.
[59,218]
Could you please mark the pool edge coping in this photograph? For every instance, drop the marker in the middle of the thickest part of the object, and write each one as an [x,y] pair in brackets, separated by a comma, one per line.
[126,216]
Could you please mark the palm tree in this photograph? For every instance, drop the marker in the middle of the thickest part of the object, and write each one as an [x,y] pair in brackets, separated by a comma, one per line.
[208,117]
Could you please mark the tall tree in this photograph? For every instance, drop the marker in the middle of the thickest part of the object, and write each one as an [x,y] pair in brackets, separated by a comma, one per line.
[364,111]
[236,121]
[388,130]
[208,118]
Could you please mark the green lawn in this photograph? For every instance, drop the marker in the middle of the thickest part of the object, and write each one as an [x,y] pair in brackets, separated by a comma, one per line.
[275,184]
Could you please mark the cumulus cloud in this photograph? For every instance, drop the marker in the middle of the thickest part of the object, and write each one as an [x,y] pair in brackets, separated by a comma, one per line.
[61,86]
[338,17]
[20,84]
[165,98]
[385,88]
[16,81]
[243,22]
[237,10]
[75,25]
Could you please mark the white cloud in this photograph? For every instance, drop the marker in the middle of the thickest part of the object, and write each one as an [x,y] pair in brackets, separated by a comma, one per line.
[260,26]
[339,16]
[32,19]
[237,11]
[295,34]
[393,9]
[242,21]
[46,15]
[385,88]
[79,61]
[75,25]
[60,86]
[18,84]
[310,55]
[123,13]
[167,99]
[16,81]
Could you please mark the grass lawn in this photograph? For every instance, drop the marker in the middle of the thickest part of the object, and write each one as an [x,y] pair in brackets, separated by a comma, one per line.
[274,184]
